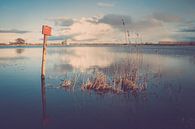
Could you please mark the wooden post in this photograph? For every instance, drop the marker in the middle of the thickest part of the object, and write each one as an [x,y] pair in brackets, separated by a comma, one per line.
[46,31]
[44,56]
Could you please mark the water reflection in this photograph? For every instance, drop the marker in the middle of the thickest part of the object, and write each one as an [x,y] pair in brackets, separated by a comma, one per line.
[94,87]
[19,50]
[117,70]
[86,58]
[43,94]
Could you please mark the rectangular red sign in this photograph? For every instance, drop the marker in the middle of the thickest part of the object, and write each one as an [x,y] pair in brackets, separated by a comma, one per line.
[46,30]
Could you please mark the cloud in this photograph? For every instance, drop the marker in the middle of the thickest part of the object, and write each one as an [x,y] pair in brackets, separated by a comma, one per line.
[166,17]
[190,38]
[183,36]
[146,24]
[87,29]
[93,19]
[109,28]
[188,30]
[60,37]
[187,26]
[62,21]
[15,31]
[115,19]
[86,39]
[186,38]
[108,5]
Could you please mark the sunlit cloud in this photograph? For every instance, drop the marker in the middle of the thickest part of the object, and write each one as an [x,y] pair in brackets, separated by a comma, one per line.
[87,29]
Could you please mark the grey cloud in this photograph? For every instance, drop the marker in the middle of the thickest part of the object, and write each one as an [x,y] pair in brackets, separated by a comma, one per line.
[146,24]
[63,22]
[14,31]
[188,26]
[183,37]
[61,37]
[166,17]
[188,30]
[190,38]
[115,19]
[141,25]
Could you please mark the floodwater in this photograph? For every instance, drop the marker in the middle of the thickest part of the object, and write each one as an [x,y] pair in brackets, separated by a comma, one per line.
[164,77]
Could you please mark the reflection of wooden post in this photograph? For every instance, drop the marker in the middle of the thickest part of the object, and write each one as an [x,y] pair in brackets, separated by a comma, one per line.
[43,98]
[46,31]
[43,93]
[44,56]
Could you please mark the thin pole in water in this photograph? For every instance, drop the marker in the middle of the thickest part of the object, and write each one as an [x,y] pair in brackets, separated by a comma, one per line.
[44,56]
[128,34]
[124,30]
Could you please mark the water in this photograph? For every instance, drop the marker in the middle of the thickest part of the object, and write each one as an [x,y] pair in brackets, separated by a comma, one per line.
[164,98]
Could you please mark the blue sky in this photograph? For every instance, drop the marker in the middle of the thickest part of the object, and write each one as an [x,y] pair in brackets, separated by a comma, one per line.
[98,20]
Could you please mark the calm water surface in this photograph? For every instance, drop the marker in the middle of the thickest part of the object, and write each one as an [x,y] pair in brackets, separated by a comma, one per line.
[167,102]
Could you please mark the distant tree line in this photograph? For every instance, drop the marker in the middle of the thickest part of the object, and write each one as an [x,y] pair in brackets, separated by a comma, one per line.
[20,41]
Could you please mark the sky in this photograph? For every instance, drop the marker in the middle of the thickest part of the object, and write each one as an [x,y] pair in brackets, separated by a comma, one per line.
[98,21]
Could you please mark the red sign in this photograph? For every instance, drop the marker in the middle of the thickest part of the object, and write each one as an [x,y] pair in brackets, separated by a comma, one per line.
[46,30]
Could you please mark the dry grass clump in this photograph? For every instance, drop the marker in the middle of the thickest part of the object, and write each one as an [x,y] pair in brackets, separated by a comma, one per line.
[124,85]
[128,85]
[117,83]
[101,84]
[67,84]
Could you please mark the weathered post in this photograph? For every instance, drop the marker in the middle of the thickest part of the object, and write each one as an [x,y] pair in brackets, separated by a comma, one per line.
[46,31]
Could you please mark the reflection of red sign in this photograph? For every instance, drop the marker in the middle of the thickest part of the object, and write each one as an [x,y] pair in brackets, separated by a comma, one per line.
[46,30]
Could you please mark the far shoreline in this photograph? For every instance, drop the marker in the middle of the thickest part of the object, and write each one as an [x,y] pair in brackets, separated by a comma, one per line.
[94,44]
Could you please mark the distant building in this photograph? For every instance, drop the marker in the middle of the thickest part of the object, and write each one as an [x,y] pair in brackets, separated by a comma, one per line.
[65,42]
